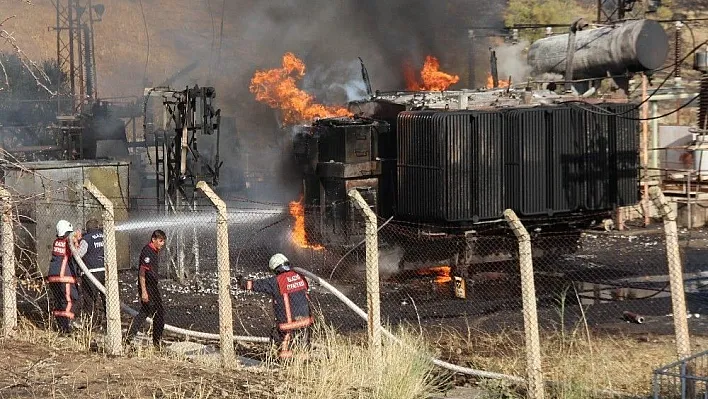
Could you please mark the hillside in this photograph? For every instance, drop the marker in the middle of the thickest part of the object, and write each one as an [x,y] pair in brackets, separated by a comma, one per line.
[254,37]
[328,36]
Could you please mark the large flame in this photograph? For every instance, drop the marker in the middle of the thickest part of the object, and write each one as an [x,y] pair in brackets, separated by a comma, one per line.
[442,273]
[297,210]
[277,88]
[502,83]
[431,77]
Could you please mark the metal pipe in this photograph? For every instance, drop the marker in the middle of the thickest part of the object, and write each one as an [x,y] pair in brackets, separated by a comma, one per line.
[688,196]
[493,67]
[644,150]
[470,60]
[632,317]
[577,25]
[654,134]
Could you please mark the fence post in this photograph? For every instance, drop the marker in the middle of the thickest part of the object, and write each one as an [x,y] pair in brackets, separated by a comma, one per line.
[673,255]
[226,326]
[114,344]
[528,293]
[373,300]
[9,287]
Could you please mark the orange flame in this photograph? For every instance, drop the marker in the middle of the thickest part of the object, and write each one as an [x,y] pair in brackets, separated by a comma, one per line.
[502,83]
[297,210]
[442,273]
[277,88]
[431,77]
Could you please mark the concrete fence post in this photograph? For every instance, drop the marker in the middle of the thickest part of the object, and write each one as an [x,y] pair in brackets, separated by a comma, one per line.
[114,344]
[226,326]
[373,300]
[9,282]
[528,293]
[673,256]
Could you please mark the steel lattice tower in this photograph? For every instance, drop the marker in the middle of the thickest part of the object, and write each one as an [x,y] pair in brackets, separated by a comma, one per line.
[609,11]
[75,55]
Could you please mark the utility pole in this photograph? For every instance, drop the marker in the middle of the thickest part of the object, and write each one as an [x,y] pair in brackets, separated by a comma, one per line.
[75,52]
[610,11]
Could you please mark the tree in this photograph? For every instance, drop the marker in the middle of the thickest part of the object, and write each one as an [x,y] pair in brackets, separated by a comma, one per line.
[543,12]
[23,102]
[6,38]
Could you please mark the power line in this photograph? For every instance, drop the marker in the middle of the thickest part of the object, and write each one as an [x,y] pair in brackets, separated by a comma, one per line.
[221,34]
[619,115]
[543,26]
[147,39]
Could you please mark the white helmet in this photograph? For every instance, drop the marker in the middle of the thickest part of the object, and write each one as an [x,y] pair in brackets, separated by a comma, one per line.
[64,227]
[278,260]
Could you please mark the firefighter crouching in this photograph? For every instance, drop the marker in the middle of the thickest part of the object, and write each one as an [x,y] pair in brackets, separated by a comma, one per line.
[291,304]
[62,277]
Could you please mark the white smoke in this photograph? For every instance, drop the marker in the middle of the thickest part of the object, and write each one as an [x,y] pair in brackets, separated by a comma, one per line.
[337,83]
[511,61]
[389,259]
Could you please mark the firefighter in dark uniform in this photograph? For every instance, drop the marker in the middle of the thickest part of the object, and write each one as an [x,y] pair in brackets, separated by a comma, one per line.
[148,291]
[91,251]
[62,277]
[291,304]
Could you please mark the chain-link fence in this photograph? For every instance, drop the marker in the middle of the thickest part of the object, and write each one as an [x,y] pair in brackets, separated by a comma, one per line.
[459,278]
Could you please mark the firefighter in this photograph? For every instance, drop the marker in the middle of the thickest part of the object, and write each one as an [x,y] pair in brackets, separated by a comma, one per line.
[62,277]
[91,251]
[148,291]
[291,304]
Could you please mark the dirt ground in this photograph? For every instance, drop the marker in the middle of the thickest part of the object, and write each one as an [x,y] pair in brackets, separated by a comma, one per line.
[32,370]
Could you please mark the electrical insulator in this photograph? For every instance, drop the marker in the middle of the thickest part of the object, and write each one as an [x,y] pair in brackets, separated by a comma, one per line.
[700,61]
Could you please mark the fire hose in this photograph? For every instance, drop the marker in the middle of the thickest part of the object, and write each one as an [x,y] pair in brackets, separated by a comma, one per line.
[437,362]
[168,327]
[348,302]
[323,283]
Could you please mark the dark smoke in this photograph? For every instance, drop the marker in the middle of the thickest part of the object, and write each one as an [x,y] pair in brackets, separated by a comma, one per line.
[386,34]
[329,35]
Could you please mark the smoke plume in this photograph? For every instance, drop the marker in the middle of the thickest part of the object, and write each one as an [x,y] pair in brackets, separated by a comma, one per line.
[329,36]
[512,61]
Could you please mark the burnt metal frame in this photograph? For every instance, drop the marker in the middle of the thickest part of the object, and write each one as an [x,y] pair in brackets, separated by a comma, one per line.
[190,113]
[618,12]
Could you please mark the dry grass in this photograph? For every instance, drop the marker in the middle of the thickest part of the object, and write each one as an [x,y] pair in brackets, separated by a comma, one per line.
[345,369]
[51,365]
[42,364]
[576,363]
